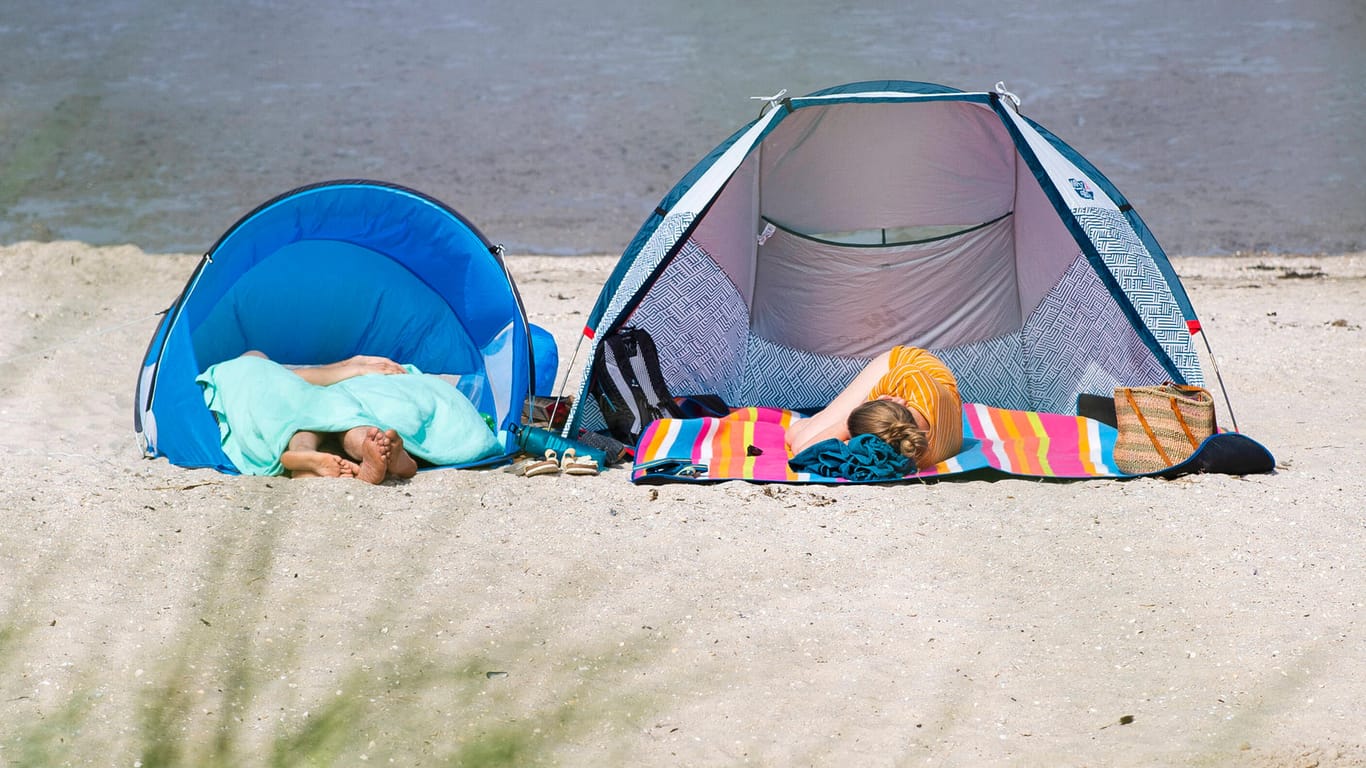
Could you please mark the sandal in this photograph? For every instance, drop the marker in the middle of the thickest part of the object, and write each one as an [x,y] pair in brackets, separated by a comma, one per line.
[574,464]
[518,468]
[546,466]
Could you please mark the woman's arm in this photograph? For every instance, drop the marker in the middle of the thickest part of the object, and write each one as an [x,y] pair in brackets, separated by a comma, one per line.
[331,373]
[833,419]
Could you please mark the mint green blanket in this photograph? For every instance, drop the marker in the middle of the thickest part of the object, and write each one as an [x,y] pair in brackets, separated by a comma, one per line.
[260,404]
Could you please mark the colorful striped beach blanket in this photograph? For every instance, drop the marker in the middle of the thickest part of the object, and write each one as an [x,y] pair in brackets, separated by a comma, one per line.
[748,444]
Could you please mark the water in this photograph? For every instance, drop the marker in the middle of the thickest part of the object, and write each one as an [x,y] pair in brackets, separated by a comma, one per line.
[556,127]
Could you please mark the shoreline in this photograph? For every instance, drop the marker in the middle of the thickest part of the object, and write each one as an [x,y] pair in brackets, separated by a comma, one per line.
[984,620]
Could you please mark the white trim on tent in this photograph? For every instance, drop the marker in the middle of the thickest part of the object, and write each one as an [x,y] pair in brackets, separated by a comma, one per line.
[705,188]
[1090,195]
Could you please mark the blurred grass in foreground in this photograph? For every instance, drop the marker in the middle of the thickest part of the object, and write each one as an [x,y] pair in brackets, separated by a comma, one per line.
[219,696]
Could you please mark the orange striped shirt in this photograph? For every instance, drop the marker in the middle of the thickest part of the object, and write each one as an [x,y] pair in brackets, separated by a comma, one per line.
[927,385]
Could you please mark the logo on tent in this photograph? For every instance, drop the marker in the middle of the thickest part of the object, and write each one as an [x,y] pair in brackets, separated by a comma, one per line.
[1082,189]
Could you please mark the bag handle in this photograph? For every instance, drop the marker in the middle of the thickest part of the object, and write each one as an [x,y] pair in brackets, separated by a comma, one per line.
[1199,395]
[1147,429]
[1181,419]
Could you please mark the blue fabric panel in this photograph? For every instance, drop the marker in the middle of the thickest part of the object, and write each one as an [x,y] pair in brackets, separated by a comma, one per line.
[333,300]
[546,355]
[424,238]
[155,348]
[185,430]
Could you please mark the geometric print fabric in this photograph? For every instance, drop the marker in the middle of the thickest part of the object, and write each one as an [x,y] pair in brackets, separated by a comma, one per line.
[699,323]
[661,241]
[1143,283]
[584,412]
[783,377]
[1078,340]
[991,372]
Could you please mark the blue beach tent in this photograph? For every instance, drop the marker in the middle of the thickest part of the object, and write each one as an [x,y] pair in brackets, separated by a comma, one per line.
[328,271]
[841,223]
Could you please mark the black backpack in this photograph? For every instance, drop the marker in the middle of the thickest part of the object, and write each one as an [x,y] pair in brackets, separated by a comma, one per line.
[627,384]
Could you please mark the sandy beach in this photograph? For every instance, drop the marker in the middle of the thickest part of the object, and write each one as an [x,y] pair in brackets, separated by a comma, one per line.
[152,615]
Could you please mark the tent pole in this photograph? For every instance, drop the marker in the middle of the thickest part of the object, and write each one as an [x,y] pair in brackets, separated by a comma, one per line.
[1217,375]
[559,391]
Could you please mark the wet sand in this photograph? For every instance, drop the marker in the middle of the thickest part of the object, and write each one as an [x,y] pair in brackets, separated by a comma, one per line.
[1234,124]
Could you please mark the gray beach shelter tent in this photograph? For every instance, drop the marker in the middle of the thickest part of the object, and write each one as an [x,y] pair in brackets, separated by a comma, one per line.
[839,224]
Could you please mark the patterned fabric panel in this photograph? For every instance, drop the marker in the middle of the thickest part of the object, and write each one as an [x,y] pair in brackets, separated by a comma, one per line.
[1078,340]
[654,251]
[699,323]
[590,415]
[782,377]
[990,372]
[1133,268]
[669,232]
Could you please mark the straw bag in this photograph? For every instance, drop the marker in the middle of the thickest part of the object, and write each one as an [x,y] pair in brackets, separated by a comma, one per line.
[1160,426]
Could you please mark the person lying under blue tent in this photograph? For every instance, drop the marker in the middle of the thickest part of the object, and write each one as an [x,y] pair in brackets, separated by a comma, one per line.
[366,417]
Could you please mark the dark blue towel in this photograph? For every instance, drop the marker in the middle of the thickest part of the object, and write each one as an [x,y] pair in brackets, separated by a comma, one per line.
[864,457]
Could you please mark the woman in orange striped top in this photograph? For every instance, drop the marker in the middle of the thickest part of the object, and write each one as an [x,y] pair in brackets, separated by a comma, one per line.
[906,397]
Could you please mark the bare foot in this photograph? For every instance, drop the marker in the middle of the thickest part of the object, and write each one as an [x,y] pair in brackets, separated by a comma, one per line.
[317,464]
[375,450]
[401,464]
